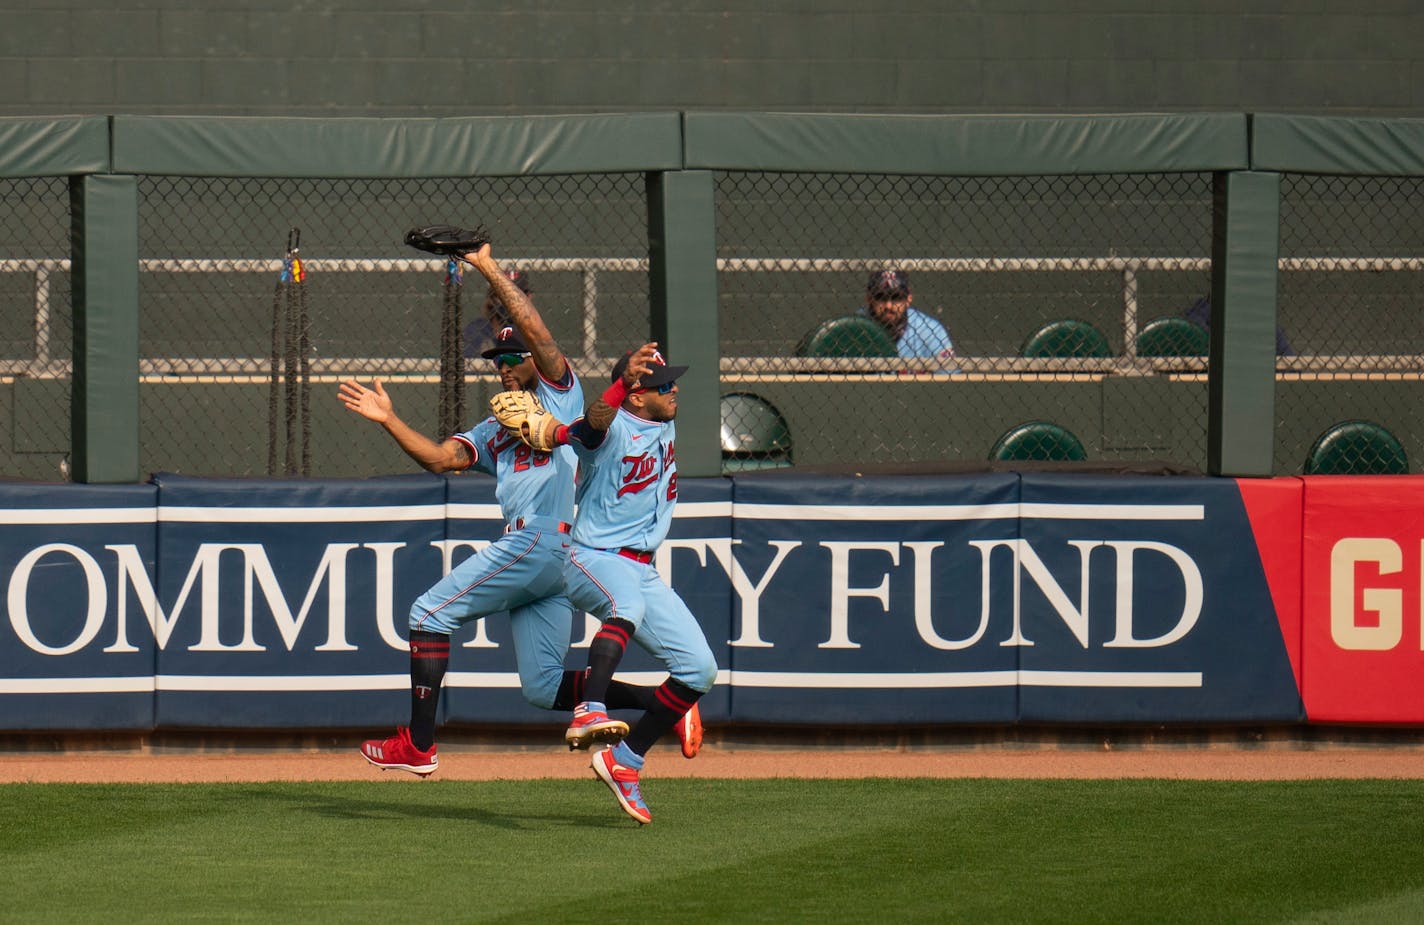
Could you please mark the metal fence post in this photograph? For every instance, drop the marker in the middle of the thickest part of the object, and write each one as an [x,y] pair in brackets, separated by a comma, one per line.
[1242,371]
[104,402]
[682,244]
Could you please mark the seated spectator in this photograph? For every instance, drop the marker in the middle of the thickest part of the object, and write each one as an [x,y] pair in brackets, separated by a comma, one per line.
[1200,312]
[888,301]
[479,334]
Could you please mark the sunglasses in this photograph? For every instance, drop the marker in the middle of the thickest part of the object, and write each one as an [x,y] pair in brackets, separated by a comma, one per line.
[663,389]
[510,359]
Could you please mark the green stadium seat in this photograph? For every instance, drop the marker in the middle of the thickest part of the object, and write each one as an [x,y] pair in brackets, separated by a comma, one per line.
[1356,448]
[1172,337]
[1038,440]
[851,336]
[754,434]
[1067,337]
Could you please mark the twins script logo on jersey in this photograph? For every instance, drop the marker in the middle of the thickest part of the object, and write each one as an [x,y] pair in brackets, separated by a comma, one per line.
[640,472]
[669,461]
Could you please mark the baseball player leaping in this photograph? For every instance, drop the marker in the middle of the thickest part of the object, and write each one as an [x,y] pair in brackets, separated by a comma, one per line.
[626,493]
[522,571]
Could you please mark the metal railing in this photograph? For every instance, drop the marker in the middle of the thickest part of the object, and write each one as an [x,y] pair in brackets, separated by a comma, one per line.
[43,366]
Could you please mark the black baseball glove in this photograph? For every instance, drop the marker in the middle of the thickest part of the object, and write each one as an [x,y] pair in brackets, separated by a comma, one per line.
[447,240]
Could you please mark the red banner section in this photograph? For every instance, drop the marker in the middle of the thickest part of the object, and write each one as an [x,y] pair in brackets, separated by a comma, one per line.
[1362,644]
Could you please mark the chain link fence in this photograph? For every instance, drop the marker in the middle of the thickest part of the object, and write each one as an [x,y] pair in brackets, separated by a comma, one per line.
[258,296]
[1351,307]
[36,326]
[1076,307]
[1067,301]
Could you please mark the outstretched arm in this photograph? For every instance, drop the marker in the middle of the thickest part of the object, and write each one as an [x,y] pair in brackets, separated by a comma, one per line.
[375,405]
[523,315]
[593,426]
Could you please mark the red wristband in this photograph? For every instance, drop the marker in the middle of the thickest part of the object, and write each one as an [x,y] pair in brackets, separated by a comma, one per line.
[561,435]
[615,394]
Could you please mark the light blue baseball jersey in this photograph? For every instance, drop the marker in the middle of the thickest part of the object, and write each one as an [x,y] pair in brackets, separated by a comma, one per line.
[626,494]
[627,487]
[530,483]
[923,336]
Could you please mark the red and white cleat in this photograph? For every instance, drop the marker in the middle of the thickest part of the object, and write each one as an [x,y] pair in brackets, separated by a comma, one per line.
[623,781]
[400,754]
[590,726]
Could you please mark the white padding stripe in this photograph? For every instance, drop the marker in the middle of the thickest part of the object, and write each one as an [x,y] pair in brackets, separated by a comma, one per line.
[509,680]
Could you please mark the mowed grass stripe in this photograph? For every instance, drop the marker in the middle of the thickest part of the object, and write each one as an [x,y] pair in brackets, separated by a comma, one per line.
[717,851]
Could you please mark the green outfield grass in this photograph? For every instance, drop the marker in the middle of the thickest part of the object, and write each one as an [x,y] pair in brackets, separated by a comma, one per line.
[718,850]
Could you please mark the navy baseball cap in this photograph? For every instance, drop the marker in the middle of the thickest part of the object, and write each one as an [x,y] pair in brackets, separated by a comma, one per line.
[506,341]
[660,373]
[889,283]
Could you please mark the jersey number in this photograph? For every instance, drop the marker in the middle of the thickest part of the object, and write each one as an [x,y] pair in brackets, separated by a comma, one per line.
[525,458]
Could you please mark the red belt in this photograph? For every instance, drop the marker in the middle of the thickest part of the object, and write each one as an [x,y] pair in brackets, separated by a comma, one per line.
[637,555]
[520,522]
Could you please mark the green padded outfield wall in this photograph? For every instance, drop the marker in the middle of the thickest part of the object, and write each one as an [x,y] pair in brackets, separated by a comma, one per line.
[446,57]
[659,143]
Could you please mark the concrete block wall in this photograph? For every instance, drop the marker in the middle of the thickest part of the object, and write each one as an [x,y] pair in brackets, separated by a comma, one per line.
[451,57]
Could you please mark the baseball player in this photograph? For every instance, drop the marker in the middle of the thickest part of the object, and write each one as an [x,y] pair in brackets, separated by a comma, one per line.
[522,571]
[626,493]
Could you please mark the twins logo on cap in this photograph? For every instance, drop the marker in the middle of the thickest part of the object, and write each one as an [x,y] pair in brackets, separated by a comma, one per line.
[889,281]
[506,341]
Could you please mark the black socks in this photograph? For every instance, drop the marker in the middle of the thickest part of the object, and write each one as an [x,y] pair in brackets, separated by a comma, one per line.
[429,657]
[670,702]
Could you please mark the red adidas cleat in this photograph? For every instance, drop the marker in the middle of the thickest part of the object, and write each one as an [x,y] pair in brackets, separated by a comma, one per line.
[398,753]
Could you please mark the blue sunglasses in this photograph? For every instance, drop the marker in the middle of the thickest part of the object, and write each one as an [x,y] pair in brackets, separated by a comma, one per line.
[663,389]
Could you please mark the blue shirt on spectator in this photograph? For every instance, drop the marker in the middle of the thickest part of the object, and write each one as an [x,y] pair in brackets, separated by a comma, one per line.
[887,302]
[923,336]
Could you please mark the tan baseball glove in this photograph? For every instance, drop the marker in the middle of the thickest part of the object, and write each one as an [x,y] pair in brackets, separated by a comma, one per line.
[524,415]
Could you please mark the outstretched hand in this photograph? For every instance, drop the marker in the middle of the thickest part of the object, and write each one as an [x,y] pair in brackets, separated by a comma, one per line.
[640,363]
[473,258]
[373,403]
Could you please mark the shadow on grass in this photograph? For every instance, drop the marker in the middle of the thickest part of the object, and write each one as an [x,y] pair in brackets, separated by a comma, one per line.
[450,805]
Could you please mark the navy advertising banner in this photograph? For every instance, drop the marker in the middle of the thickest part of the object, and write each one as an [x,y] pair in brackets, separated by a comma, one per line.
[1141,599]
[896,600]
[864,600]
[74,558]
[283,604]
